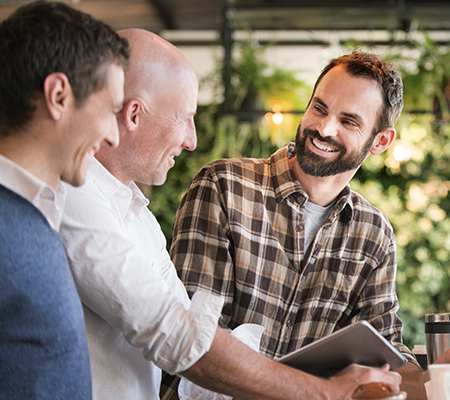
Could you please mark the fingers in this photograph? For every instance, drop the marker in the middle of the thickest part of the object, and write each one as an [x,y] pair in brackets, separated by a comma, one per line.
[365,374]
[444,358]
[350,378]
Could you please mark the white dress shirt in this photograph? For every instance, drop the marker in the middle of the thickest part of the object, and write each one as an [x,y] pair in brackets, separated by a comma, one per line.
[43,196]
[137,312]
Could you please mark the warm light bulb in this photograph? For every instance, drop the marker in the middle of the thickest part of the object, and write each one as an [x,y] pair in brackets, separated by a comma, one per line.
[401,153]
[268,116]
[277,118]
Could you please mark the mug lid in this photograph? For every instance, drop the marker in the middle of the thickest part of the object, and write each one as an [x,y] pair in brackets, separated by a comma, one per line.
[443,317]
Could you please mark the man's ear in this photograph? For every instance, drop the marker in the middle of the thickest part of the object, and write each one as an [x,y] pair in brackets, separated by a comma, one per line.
[382,141]
[131,114]
[57,91]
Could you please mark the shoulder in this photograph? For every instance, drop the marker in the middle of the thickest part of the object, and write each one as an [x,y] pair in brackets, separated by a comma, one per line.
[231,178]
[366,213]
[19,214]
[96,192]
[233,167]
[250,171]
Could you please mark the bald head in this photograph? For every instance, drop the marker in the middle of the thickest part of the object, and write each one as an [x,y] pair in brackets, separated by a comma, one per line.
[154,63]
[157,120]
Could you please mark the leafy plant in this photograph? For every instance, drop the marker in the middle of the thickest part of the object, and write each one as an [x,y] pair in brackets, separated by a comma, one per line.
[414,194]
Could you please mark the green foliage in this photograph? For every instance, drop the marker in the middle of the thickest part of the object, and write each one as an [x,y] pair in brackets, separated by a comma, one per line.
[413,194]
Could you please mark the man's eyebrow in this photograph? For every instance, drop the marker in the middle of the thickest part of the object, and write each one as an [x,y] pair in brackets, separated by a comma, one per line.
[353,116]
[320,101]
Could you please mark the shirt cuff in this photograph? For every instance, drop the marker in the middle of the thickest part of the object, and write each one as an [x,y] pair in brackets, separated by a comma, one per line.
[205,311]
[407,353]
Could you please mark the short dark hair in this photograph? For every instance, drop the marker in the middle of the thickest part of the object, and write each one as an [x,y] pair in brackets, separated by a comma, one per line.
[371,66]
[43,37]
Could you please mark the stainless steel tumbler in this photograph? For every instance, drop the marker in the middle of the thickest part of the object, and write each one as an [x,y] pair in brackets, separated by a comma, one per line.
[437,335]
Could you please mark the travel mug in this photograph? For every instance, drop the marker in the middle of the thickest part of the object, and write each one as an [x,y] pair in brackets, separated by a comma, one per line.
[437,335]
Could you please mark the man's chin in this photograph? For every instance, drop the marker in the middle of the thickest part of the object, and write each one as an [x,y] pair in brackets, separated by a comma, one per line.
[158,180]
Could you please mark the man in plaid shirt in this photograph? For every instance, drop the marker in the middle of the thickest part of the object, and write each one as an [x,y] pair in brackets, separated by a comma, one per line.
[284,240]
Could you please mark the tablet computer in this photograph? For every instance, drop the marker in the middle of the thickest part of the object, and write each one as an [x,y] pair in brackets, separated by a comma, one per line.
[358,343]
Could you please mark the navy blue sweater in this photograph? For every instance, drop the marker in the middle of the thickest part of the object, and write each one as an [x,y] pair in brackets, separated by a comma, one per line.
[43,349]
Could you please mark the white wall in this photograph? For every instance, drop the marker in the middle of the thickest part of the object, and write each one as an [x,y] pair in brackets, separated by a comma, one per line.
[307,59]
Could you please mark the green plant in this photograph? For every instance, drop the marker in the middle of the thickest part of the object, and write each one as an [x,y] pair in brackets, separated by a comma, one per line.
[414,194]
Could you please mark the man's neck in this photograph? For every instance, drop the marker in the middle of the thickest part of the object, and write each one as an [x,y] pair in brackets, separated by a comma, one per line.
[321,191]
[30,153]
[110,161]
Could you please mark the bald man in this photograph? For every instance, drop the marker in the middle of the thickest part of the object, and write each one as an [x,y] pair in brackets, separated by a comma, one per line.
[138,316]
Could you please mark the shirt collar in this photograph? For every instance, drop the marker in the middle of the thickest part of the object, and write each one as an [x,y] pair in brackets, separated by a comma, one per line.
[44,197]
[286,184]
[128,197]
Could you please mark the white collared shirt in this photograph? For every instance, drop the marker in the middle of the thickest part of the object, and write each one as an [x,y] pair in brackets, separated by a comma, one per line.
[137,312]
[43,196]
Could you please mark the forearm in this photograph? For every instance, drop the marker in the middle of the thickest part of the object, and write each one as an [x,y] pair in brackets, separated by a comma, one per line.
[414,378]
[230,367]
[413,381]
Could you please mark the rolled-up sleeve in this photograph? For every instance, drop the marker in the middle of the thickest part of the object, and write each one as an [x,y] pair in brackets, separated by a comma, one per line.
[186,351]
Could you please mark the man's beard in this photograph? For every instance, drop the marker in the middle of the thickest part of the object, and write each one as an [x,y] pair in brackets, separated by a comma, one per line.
[316,165]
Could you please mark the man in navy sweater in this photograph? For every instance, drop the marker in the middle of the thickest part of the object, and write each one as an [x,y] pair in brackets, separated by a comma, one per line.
[61,84]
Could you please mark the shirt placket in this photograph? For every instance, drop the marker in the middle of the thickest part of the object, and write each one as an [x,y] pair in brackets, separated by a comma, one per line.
[291,311]
[285,343]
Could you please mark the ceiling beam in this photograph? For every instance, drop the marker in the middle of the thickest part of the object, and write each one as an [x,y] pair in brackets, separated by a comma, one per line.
[163,13]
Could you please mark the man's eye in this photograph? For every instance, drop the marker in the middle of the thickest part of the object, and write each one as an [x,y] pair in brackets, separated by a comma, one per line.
[318,109]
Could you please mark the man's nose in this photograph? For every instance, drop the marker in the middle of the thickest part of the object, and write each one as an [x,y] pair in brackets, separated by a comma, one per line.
[328,126]
[190,141]
[113,136]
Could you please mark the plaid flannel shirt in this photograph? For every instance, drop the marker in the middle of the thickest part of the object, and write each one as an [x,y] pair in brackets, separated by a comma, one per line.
[239,233]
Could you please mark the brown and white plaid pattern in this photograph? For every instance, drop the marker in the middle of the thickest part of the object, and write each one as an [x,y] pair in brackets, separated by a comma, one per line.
[169,387]
[239,233]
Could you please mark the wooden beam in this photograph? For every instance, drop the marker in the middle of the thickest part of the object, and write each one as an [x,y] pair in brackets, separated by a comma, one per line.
[166,18]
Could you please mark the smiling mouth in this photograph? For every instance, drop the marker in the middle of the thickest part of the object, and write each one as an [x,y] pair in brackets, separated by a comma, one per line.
[323,147]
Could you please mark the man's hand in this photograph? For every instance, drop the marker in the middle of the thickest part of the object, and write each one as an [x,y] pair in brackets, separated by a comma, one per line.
[443,359]
[344,384]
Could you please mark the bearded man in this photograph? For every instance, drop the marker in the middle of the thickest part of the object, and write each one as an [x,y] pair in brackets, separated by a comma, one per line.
[285,241]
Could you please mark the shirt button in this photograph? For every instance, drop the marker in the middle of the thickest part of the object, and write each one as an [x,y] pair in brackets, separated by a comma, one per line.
[288,322]
[299,228]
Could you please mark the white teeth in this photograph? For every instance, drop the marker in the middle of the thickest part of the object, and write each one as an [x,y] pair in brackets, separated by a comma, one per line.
[322,147]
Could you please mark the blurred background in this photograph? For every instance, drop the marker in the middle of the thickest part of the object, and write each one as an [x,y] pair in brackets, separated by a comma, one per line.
[257,61]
